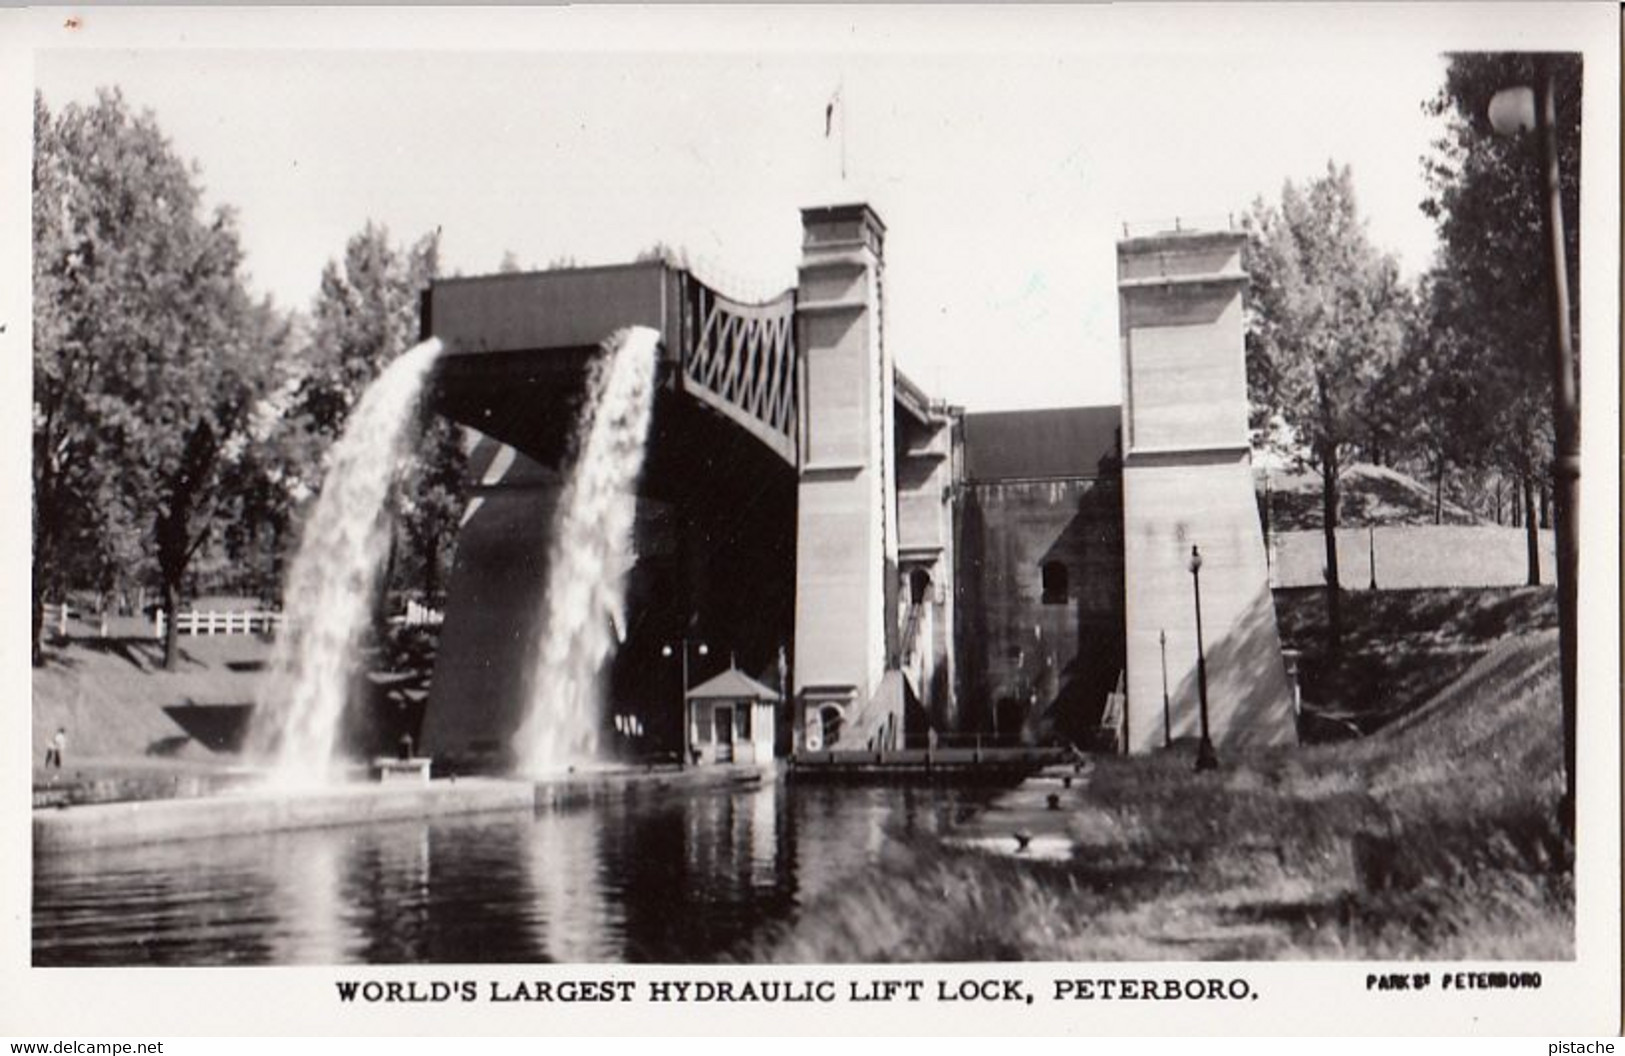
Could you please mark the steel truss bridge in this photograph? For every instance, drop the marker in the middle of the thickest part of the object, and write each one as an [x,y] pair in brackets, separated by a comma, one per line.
[516,346]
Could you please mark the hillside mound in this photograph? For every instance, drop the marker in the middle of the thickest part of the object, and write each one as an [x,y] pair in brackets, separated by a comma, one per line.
[111,694]
[119,706]
[1399,648]
[1368,496]
[1503,713]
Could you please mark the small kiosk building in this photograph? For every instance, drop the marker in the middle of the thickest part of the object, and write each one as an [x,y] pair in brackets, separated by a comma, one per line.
[731,720]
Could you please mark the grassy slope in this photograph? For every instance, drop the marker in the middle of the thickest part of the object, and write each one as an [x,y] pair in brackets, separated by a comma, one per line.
[1433,839]
[1400,647]
[1367,495]
[110,694]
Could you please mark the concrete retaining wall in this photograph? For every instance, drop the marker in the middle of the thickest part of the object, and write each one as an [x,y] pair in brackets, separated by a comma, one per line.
[155,821]
[1411,557]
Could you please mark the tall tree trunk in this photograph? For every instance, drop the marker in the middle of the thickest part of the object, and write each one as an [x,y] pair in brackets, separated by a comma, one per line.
[45,526]
[1497,500]
[1334,590]
[41,564]
[277,534]
[431,571]
[172,629]
[386,579]
[1531,533]
[1438,490]
[176,544]
[1545,507]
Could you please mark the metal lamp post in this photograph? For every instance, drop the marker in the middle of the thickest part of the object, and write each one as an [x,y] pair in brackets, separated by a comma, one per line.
[1167,719]
[1511,111]
[1269,559]
[1206,757]
[682,648]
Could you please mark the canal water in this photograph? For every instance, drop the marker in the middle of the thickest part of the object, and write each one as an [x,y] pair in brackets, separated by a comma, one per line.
[661,877]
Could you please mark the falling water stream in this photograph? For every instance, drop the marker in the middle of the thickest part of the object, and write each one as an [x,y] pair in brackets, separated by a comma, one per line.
[589,556]
[332,582]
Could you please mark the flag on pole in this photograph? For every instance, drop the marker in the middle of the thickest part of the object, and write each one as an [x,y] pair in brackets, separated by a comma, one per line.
[834,109]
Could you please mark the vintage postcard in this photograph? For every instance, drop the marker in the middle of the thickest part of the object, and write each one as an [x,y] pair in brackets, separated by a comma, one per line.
[807,519]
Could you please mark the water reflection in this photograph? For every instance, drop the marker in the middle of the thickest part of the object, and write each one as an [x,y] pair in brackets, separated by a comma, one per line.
[654,877]
[308,891]
[571,919]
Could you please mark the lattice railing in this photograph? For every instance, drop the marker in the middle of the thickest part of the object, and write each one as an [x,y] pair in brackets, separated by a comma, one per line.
[743,357]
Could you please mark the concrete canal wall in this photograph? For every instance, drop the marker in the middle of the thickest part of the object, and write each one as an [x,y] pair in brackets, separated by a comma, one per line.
[159,821]
[97,825]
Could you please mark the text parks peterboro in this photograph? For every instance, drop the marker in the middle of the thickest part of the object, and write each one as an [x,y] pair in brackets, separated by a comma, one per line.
[970,989]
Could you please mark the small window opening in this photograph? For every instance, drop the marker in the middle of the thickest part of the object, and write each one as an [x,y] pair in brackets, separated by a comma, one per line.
[1055,583]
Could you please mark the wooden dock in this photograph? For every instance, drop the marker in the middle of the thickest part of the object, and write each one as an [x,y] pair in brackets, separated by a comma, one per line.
[949,765]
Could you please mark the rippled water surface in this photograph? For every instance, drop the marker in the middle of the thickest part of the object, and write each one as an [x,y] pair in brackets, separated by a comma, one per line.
[659,877]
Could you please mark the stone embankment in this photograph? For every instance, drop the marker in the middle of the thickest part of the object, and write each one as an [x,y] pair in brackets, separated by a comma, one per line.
[259,810]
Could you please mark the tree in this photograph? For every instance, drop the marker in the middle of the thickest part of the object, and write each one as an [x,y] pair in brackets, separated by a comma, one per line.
[142,362]
[672,256]
[263,472]
[366,314]
[1436,391]
[1327,321]
[432,501]
[1486,197]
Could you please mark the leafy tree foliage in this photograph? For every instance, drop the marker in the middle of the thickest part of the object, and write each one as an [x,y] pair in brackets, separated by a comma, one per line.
[1328,318]
[367,313]
[432,501]
[1493,309]
[262,477]
[1487,197]
[144,362]
[675,256]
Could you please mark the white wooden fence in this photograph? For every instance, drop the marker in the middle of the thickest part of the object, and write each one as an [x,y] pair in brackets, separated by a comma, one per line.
[262,622]
[194,622]
[421,615]
[57,615]
[248,621]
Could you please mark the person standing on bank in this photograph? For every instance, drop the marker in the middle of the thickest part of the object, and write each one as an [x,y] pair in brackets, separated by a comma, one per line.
[53,754]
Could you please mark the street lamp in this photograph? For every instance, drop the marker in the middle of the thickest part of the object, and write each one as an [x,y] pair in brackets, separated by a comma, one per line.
[682,649]
[1269,560]
[1167,720]
[1206,757]
[1512,111]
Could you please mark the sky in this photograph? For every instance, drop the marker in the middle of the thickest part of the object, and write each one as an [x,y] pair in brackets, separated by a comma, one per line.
[1004,150]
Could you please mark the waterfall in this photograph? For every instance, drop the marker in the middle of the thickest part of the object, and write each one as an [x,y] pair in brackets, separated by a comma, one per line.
[332,583]
[589,557]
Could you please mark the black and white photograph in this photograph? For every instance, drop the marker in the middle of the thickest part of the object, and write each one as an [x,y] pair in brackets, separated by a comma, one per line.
[950,516]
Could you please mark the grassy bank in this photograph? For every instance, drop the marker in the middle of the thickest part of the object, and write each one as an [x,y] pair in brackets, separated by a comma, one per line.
[111,694]
[1435,838]
[122,711]
[1399,648]
[1367,495]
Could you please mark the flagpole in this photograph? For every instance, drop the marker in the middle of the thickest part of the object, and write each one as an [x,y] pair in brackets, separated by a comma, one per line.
[840,94]
[835,110]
